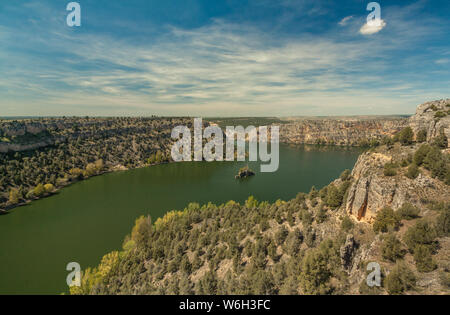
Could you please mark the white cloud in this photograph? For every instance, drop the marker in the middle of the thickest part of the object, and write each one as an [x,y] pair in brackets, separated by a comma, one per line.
[372,27]
[345,20]
[442,61]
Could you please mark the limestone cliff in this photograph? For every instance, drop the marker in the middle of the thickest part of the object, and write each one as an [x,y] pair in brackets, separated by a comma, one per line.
[340,131]
[6,147]
[371,190]
[432,117]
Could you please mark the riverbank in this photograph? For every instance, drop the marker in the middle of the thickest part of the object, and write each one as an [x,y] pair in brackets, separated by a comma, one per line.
[68,183]
[84,141]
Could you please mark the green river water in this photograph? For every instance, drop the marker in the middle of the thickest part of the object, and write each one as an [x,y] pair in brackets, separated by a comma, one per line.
[86,220]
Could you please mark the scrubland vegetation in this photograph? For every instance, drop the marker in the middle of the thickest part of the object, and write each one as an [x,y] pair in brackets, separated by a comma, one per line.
[301,246]
[277,249]
[80,148]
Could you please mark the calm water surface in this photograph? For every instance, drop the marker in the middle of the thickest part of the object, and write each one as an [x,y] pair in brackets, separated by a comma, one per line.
[90,218]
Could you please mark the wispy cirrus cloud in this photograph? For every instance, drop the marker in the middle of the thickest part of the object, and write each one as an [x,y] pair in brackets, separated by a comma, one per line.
[221,68]
[345,20]
[443,61]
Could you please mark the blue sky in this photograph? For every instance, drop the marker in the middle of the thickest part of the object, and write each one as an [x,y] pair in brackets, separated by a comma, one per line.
[222,58]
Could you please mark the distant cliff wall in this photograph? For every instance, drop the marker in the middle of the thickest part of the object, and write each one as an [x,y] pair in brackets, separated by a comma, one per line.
[351,131]
[6,147]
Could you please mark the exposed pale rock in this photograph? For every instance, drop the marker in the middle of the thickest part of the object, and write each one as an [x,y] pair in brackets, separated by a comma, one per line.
[425,119]
[371,190]
[340,131]
[15,147]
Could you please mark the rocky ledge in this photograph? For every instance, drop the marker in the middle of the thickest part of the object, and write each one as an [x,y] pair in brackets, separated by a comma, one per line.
[374,188]
[433,118]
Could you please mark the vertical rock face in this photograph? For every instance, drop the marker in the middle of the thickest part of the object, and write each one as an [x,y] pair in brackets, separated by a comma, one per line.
[20,129]
[340,131]
[371,190]
[432,117]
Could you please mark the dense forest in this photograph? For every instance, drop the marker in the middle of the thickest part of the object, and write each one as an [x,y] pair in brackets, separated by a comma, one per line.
[308,245]
[75,149]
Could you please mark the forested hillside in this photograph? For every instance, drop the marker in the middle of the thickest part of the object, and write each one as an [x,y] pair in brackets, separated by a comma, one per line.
[392,209]
[58,151]
[289,247]
[308,245]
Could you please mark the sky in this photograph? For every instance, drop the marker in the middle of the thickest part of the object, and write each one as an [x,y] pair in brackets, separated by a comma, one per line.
[222,58]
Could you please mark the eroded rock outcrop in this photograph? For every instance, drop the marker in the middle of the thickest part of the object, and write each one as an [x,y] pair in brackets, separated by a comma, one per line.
[432,117]
[16,147]
[372,190]
[340,131]
[21,128]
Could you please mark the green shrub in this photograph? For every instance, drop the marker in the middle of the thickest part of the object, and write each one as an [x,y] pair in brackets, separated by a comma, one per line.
[444,278]
[49,188]
[347,224]
[306,217]
[441,141]
[406,136]
[422,136]
[13,196]
[293,242]
[389,169]
[433,157]
[333,197]
[408,212]
[442,225]
[423,259]
[400,279]
[263,283]
[323,193]
[392,248]
[422,233]
[317,269]
[407,160]
[313,193]
[345,175]
[386,220]
[413,171]
[280,235]
[404,163]
[364,289]
[437,163]
[39,190]
[388,141]
[421,153]
[321,215]
[301,197]
[310,238]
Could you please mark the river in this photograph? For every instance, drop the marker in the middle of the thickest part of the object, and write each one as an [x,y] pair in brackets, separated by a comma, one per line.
[86,220]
